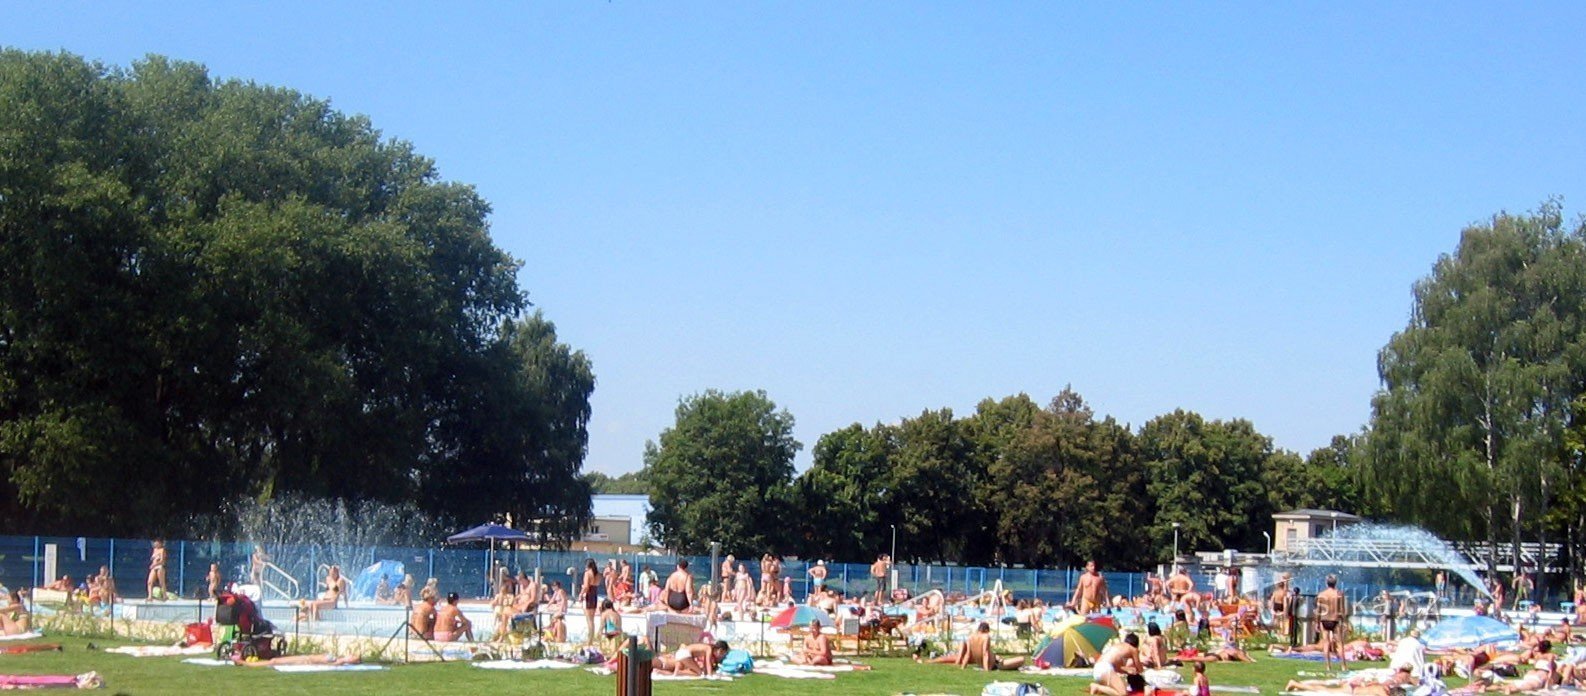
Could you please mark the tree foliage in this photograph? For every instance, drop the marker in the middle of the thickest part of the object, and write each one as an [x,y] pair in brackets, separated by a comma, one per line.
[215,288]
[1467,431]
[721,473]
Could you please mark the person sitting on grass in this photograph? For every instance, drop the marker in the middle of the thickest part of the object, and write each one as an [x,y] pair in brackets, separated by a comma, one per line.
[817,647]
[422,618]
[977,650]
[450,624]
[15,618]
[557,631]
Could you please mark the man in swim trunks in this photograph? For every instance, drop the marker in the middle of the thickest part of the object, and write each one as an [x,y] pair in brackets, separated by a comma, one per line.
[977,651]
[450,624]
[817,647]
[878,572]
[1090,594]
[679,590]
[1179,584]
[1329,613]
[817,581]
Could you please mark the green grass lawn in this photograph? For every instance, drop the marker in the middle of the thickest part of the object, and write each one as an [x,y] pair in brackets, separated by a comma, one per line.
[161,675]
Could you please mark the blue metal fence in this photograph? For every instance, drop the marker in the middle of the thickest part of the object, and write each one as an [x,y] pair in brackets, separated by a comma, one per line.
[466,570]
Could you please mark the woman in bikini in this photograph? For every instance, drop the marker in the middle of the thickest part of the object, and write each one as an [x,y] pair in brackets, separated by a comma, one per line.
[157,570]
[14,617]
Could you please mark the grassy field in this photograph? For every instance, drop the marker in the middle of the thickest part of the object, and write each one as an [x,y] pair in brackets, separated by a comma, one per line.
[158,675]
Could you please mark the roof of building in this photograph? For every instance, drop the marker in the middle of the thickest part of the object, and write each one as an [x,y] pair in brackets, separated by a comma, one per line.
[1312,513]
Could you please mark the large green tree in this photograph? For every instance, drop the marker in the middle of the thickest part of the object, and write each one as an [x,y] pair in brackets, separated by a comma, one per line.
[841,499]
[1467,431]
[215,288]
[1205,476]
[721,473]
[1067,489]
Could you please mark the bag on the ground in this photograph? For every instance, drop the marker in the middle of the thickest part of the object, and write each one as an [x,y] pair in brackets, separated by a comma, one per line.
[736,662]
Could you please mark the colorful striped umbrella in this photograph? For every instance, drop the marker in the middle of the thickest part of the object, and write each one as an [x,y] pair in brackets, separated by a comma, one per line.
[801,615]
[1075,638]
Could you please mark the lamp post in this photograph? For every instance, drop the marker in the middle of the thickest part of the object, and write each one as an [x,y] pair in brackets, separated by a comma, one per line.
[1175,544]
[1268,535]
[1335,523]
[892,558]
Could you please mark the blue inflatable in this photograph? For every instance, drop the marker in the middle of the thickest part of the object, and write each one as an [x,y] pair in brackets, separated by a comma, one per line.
[368,579]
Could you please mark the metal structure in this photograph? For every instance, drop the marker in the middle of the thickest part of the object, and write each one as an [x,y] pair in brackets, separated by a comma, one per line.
[1532,555]
[1372,553]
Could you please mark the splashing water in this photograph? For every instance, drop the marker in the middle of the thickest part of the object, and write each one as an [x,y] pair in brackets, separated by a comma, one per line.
[1370,543]
[304,534]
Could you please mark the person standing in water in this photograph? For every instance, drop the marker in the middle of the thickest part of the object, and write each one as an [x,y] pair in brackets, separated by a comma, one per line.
[1329,614]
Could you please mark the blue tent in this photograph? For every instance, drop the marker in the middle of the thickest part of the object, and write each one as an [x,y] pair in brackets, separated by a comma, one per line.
[1468,632]
[489,532]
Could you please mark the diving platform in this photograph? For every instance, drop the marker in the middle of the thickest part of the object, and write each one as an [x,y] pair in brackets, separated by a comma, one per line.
[1373,553]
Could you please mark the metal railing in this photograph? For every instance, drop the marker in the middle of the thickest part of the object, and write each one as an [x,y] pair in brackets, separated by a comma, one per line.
[285,579]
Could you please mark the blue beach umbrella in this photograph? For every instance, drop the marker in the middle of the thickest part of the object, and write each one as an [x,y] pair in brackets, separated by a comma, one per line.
[1468,632]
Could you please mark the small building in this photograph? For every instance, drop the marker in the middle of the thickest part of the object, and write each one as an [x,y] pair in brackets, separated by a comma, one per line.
[1297,525]
[606,534]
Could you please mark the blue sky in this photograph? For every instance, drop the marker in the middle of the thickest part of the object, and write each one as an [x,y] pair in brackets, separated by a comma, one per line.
[872,209]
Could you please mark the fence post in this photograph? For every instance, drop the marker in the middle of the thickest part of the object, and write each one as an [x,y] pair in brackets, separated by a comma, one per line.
[432,565]
[181,566]
[36,565]
[112,564]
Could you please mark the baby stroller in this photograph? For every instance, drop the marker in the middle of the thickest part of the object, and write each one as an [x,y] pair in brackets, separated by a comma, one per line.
[244,632]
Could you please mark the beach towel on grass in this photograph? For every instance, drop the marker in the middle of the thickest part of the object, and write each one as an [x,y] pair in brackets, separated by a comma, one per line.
[29,648]
[518,664]
[689,677]
[1309,657]
[793,673]
[297,669]
[30,635]
[88,680]
[778,664]
[159,650]
[207,662]
[1059,671]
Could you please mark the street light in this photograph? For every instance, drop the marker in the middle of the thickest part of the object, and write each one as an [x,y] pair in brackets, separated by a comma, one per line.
[1175,544]
[892,558]
[1268,535]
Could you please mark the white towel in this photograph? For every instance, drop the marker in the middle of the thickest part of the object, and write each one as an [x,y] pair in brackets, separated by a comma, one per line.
[516,664]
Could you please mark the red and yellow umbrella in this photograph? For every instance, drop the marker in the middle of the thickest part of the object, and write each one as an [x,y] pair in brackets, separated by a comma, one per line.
[1075,638]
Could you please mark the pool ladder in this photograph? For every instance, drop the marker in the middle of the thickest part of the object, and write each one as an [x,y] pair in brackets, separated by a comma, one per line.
[280,576]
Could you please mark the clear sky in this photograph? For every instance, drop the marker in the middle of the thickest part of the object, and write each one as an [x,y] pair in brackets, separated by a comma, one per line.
[871,209]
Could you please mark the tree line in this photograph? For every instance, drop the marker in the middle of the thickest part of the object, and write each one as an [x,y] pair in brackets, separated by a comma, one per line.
[1476,433]
[1016,482]
[216,290]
